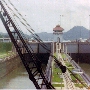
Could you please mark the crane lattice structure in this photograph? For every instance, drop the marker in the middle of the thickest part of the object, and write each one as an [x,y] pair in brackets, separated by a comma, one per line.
[15,35]
[10,26]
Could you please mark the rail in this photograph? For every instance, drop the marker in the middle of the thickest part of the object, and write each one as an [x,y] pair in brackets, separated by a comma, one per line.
[84,75]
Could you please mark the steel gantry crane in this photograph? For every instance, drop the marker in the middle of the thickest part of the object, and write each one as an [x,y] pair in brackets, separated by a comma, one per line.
[15,35]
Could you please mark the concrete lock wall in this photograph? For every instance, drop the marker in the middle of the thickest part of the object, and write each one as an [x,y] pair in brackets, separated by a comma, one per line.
[72,48]
[8,64]
[81,47]
[84,48]
[38,47]
[80,52]
[43,50]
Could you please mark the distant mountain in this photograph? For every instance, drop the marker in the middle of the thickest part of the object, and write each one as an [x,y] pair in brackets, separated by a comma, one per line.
[45,36]
[72,34]
[4,35]
[0,36]
[76,33]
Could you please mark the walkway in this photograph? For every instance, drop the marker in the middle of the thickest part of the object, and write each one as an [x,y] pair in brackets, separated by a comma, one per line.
[84,75]
[66,76]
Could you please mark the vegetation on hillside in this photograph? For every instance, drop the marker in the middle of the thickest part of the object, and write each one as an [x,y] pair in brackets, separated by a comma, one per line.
[5,47]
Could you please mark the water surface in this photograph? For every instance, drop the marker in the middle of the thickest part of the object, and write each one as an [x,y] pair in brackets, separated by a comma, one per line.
[17,79]
[85,67]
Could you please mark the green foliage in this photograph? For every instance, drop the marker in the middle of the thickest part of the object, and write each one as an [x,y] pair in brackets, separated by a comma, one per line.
[68,64]
[56,69]
[71,69]
[3,55]
[76,75]
[79,85]
[56,75]
[5,47]
[63,55]
[58,85]
[0,36]
[55,54]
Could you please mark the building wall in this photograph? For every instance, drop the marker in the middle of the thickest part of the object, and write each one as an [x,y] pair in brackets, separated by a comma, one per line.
[5,40]
[58,35]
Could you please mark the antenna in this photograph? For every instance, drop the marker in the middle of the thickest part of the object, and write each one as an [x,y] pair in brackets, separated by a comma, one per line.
[61,19]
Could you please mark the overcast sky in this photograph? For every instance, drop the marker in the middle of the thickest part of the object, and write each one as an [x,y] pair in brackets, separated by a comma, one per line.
[44,15]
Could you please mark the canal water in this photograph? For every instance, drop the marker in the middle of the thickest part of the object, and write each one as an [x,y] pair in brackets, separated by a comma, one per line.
[83,59]
[17,79]
[85,67]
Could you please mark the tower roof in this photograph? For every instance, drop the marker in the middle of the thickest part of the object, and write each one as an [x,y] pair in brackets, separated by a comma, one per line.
[58,28]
